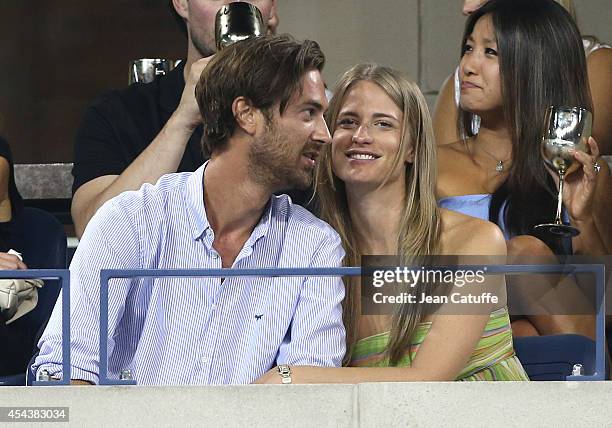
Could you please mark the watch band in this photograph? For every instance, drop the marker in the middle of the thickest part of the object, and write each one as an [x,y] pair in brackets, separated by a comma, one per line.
[284,372]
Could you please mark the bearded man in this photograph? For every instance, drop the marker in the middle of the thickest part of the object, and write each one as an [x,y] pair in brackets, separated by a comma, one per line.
[262,103]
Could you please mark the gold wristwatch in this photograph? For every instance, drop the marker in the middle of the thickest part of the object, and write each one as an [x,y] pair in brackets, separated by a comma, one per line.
[285,373]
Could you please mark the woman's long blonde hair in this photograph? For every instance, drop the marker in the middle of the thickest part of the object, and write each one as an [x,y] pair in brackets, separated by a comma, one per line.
[420,219]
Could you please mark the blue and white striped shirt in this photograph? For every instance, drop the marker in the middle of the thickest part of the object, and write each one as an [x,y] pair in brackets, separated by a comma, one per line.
[198,330]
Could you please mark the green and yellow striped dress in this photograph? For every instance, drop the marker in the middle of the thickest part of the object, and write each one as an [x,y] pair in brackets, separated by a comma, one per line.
[492,359]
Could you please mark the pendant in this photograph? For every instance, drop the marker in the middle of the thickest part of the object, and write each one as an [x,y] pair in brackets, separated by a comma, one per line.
[500,166]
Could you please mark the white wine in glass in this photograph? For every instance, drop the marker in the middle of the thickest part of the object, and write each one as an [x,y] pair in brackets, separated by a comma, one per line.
[566,130]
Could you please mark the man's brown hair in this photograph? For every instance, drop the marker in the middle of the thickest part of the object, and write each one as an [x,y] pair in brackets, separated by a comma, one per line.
[265,70]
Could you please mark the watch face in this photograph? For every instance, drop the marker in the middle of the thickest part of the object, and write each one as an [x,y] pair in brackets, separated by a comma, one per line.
[285,373]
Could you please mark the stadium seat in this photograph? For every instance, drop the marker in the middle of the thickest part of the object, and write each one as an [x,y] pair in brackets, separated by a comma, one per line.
[44,248]
[553,357]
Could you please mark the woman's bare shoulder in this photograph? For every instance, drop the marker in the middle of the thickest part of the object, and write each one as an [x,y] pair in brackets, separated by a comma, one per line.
[452,156]
[467,235]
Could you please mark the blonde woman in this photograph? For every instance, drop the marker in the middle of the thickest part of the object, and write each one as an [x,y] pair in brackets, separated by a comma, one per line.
[376,186]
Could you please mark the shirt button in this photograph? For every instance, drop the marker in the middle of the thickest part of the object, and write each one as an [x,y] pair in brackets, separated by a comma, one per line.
[213,307]
[215,256]
[204,360]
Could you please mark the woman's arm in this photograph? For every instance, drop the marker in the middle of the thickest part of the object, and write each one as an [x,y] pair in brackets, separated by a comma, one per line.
[588,201]
[596,229]
[445,113]
[444,353]
[448,345]
[599,67]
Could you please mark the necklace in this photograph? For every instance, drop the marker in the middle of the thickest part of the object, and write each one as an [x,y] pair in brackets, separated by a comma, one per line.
[499,167]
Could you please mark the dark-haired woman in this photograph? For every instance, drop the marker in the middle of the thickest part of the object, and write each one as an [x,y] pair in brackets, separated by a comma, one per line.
[599,68]
[519,57]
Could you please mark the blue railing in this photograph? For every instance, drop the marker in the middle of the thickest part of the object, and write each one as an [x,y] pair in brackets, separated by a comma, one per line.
[64,277]
[597,270]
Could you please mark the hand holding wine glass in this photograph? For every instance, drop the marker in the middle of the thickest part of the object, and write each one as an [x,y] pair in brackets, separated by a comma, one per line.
[580,186]
[567,133]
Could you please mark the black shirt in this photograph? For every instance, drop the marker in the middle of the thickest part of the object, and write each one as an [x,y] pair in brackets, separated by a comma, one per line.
[11,232]
[120,125]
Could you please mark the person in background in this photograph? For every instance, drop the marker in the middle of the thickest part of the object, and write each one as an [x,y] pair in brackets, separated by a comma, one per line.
[497,173]
[599,67]
[11,213]
[14,359]
[136,135]
[11,209]
[262,103]
[377,189]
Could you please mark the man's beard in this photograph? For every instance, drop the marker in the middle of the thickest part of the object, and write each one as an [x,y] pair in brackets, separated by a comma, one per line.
[204,47]
[273,162]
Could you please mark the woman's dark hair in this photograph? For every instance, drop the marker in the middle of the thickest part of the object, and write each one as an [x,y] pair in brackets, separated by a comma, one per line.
[541,63]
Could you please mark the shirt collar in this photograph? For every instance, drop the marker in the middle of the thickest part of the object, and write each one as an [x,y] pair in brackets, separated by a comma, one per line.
[197,211]
[194,196]
[263,226]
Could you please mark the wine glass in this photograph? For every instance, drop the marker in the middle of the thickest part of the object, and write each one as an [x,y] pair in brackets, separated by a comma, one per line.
[145,70]
[237,21]
[567,129]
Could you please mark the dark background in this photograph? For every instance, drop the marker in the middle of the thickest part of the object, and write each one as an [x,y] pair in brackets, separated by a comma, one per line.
[56,56]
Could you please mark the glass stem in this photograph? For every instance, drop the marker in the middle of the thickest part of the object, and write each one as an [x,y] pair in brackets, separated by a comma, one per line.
[560,197]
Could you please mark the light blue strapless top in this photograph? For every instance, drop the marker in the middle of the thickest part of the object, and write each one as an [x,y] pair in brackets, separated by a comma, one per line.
[475,206]
[478,206]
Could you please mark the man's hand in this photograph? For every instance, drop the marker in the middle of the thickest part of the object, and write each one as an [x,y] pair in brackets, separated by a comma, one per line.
[161,157]
[11,262]
[188,111]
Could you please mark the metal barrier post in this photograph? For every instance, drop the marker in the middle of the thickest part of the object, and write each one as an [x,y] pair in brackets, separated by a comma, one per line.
[64,277]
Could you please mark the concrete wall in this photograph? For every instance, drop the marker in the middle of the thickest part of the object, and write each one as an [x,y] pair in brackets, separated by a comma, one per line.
[473,404]
[421,37]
